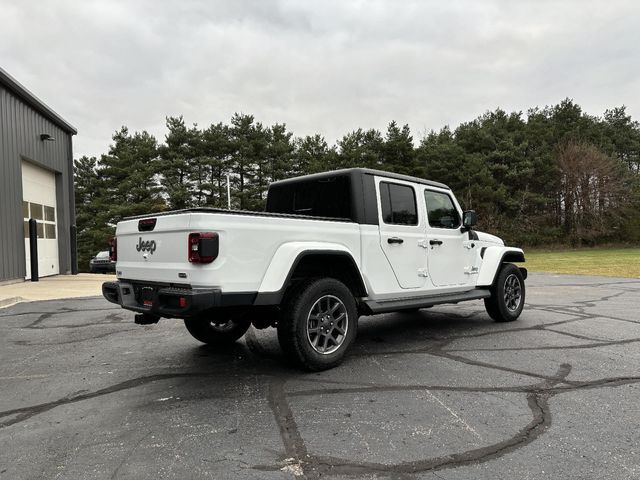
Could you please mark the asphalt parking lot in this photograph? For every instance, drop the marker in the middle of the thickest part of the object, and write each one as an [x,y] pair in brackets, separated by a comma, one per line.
[444,393]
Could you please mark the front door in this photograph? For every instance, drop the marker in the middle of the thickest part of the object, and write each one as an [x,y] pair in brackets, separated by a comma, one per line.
[402,232]
[448,255]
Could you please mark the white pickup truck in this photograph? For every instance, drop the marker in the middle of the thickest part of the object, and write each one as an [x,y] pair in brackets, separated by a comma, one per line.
[331,247]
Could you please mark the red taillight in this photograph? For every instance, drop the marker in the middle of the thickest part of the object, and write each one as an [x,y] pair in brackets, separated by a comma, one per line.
[203,247]
[113,249]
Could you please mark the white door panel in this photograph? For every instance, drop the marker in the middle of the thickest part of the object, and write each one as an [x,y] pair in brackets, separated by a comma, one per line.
[39,195]
[406,257]
[448,255]
[401,231]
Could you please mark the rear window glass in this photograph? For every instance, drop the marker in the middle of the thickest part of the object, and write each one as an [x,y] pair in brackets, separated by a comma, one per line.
[398,204]
[325,197]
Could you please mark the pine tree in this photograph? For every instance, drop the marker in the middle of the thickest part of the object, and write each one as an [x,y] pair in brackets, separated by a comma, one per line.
[128,175]
[398,152]
[178,162]
[313,154]
[93,231]
[279,153]
[361,149]
[512,168]
[248,165]
[216,157]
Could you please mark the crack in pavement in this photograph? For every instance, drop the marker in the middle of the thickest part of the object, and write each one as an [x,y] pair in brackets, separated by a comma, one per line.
[112,318]
[17,415]
[61,310]
[315,466]
[38,324]
[310,465]
[550,347]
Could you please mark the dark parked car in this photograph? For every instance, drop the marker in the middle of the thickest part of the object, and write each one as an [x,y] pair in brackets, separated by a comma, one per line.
[102,263]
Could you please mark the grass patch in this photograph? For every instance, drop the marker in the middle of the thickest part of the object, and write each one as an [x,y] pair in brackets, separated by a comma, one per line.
[609,262]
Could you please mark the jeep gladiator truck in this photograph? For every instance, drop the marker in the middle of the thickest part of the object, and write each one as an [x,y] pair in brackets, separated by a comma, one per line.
[329,248]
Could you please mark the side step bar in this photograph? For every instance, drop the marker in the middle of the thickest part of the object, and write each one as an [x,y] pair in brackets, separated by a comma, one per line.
[374,307]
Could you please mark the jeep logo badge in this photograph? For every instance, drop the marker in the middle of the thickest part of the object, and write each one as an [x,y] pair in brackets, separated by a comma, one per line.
[147,246]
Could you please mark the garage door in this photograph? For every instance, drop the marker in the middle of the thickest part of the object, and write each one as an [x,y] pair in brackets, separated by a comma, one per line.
[39,203]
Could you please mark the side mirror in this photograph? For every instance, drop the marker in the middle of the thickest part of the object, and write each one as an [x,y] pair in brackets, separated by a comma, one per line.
[469,218]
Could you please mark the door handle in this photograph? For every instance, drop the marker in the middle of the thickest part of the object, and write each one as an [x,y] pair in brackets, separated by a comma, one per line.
[435,242]
[394,240]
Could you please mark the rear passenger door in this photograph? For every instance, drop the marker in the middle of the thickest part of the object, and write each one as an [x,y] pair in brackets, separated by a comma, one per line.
[402,231]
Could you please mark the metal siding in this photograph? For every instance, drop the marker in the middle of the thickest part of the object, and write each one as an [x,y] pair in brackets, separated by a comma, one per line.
[4,188]
[20,129]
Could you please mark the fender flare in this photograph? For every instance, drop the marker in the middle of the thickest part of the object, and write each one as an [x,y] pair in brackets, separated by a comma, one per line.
[285,261]
[492,258]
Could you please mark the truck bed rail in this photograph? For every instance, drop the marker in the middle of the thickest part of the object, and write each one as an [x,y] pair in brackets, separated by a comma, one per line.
[240,212]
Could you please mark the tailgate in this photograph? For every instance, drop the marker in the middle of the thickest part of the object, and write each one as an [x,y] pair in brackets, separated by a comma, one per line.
[159,253]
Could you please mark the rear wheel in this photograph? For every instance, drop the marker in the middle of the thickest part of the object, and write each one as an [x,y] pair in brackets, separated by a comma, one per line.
[216,331]
[318,324]
[507,295]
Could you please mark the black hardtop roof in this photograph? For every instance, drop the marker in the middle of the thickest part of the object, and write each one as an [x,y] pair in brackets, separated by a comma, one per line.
[360,171]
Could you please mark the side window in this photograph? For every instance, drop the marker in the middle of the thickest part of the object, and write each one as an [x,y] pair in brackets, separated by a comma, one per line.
[398,204]
[440,210]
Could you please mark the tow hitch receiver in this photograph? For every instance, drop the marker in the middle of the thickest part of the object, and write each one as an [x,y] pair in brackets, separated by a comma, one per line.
[146,319]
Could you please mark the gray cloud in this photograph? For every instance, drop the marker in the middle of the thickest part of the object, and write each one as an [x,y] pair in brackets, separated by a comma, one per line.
[319,66]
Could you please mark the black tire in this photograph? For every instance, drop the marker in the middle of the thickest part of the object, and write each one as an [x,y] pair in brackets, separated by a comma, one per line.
[206,330]
[330,306]
[507,295]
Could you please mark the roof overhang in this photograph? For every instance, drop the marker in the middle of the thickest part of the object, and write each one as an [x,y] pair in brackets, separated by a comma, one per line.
[34,102]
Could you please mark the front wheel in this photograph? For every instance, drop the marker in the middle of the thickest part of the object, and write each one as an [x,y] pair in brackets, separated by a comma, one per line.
[216,332]
[507,295]
[318,323]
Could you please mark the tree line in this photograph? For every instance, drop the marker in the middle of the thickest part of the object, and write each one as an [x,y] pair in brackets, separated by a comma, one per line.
[553,176]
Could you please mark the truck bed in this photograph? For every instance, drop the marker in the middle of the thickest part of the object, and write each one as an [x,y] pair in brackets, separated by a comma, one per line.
[248,243]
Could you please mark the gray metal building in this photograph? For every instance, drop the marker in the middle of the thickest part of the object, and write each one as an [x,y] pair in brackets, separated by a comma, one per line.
[36,181]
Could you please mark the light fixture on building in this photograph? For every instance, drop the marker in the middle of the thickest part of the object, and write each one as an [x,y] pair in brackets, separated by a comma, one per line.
[45,137]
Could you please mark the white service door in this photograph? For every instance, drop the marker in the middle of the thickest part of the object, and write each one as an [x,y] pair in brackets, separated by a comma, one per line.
[39,203]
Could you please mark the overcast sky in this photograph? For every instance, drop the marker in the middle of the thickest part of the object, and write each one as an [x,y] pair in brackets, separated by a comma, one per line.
[323,67]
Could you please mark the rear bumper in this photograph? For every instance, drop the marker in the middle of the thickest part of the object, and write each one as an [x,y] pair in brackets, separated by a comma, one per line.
[162,301]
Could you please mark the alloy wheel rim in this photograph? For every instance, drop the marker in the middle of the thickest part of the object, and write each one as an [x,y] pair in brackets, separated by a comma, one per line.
[512,292]
[327,324]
